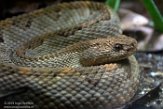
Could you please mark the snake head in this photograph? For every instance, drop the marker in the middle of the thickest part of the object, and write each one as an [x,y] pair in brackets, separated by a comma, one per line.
[106,50]
[123,46]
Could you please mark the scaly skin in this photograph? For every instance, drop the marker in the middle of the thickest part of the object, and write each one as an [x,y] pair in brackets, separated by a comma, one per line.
[69,56]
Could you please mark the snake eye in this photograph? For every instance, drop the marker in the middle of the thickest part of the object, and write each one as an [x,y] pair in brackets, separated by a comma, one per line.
[118,47]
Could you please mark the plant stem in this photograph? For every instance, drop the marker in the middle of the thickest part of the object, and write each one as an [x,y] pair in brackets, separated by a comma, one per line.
[154,13]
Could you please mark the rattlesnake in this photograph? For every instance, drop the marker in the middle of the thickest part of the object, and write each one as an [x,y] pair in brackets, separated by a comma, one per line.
[71,55]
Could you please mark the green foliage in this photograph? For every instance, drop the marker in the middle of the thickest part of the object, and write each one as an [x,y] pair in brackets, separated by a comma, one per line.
[154,13]
[151,8]
[114,4]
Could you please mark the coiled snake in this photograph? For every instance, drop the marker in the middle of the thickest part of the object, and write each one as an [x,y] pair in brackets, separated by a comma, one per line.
[70,56]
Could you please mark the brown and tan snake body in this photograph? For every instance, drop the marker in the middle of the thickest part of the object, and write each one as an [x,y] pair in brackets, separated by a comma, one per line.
[69,56]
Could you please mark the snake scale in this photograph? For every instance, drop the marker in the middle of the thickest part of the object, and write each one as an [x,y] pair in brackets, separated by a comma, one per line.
[68,56]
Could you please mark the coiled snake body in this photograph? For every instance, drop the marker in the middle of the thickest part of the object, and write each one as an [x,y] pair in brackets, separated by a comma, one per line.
[70,55]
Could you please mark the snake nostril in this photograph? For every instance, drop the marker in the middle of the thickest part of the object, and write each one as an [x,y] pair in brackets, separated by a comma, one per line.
[133,45]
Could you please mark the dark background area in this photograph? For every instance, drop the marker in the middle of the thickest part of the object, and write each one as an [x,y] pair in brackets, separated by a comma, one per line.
[9,8]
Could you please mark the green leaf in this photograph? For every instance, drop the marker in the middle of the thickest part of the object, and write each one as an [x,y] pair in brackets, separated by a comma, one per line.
[114,4]
[154,13]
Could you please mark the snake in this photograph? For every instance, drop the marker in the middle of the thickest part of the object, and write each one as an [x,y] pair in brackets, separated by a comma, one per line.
[67,56]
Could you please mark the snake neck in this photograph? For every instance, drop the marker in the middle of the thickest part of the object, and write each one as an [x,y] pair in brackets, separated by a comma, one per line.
[90,52]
